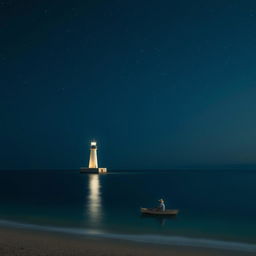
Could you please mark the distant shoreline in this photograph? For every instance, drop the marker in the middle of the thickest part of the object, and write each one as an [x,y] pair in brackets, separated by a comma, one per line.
[197,169]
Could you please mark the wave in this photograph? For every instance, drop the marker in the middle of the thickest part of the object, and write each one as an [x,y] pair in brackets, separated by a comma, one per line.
[154,239]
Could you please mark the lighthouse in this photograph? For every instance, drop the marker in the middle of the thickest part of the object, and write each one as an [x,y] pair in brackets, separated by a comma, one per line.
[93,161]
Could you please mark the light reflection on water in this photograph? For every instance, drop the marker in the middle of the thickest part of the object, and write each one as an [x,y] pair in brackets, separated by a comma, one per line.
[86,201]
[94,207]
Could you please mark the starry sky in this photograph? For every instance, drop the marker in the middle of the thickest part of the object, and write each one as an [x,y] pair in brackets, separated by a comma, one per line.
[159,84]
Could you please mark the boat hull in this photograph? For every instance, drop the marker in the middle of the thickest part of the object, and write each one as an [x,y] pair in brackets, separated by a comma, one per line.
[153,212]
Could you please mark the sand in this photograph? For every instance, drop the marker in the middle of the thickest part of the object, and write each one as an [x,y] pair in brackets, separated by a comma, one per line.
[20,242]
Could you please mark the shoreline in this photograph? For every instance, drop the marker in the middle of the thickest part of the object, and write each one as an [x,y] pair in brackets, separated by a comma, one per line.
[28,239]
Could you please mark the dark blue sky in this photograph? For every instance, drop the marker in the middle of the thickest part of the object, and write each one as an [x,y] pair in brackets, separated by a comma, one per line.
[159,84]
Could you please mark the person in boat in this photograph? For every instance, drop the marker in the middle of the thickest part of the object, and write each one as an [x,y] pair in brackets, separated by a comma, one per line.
[161,206]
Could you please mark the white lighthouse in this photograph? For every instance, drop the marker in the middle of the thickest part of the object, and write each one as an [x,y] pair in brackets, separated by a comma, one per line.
[93,161]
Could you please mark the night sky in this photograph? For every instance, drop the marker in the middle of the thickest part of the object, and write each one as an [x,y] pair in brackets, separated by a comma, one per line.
[159,84]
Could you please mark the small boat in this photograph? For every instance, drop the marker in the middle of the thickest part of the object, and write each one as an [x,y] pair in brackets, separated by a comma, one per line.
[155,212]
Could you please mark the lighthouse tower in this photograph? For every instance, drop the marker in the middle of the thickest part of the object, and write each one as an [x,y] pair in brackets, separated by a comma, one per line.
[93,161]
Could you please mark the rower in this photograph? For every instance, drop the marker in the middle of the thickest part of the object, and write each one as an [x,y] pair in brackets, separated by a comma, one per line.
[161,206]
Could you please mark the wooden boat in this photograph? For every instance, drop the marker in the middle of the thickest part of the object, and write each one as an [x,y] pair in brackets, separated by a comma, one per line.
[155,212]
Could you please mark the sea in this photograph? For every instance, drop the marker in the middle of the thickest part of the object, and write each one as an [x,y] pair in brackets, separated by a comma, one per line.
[217,208]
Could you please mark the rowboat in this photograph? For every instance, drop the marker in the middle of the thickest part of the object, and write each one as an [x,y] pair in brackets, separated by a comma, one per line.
[155,212]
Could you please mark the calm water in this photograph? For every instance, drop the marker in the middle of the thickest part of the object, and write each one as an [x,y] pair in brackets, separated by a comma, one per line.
[213,204]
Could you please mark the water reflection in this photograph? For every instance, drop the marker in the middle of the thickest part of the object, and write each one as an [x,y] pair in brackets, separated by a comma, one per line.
[159,219]
[94,199]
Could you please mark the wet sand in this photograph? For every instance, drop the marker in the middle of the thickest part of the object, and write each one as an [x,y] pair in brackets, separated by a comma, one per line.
[21,242]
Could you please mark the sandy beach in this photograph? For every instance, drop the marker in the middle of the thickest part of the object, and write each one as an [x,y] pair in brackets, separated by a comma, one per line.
[20,242]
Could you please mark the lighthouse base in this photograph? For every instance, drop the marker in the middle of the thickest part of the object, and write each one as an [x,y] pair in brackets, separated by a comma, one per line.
[92,170]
